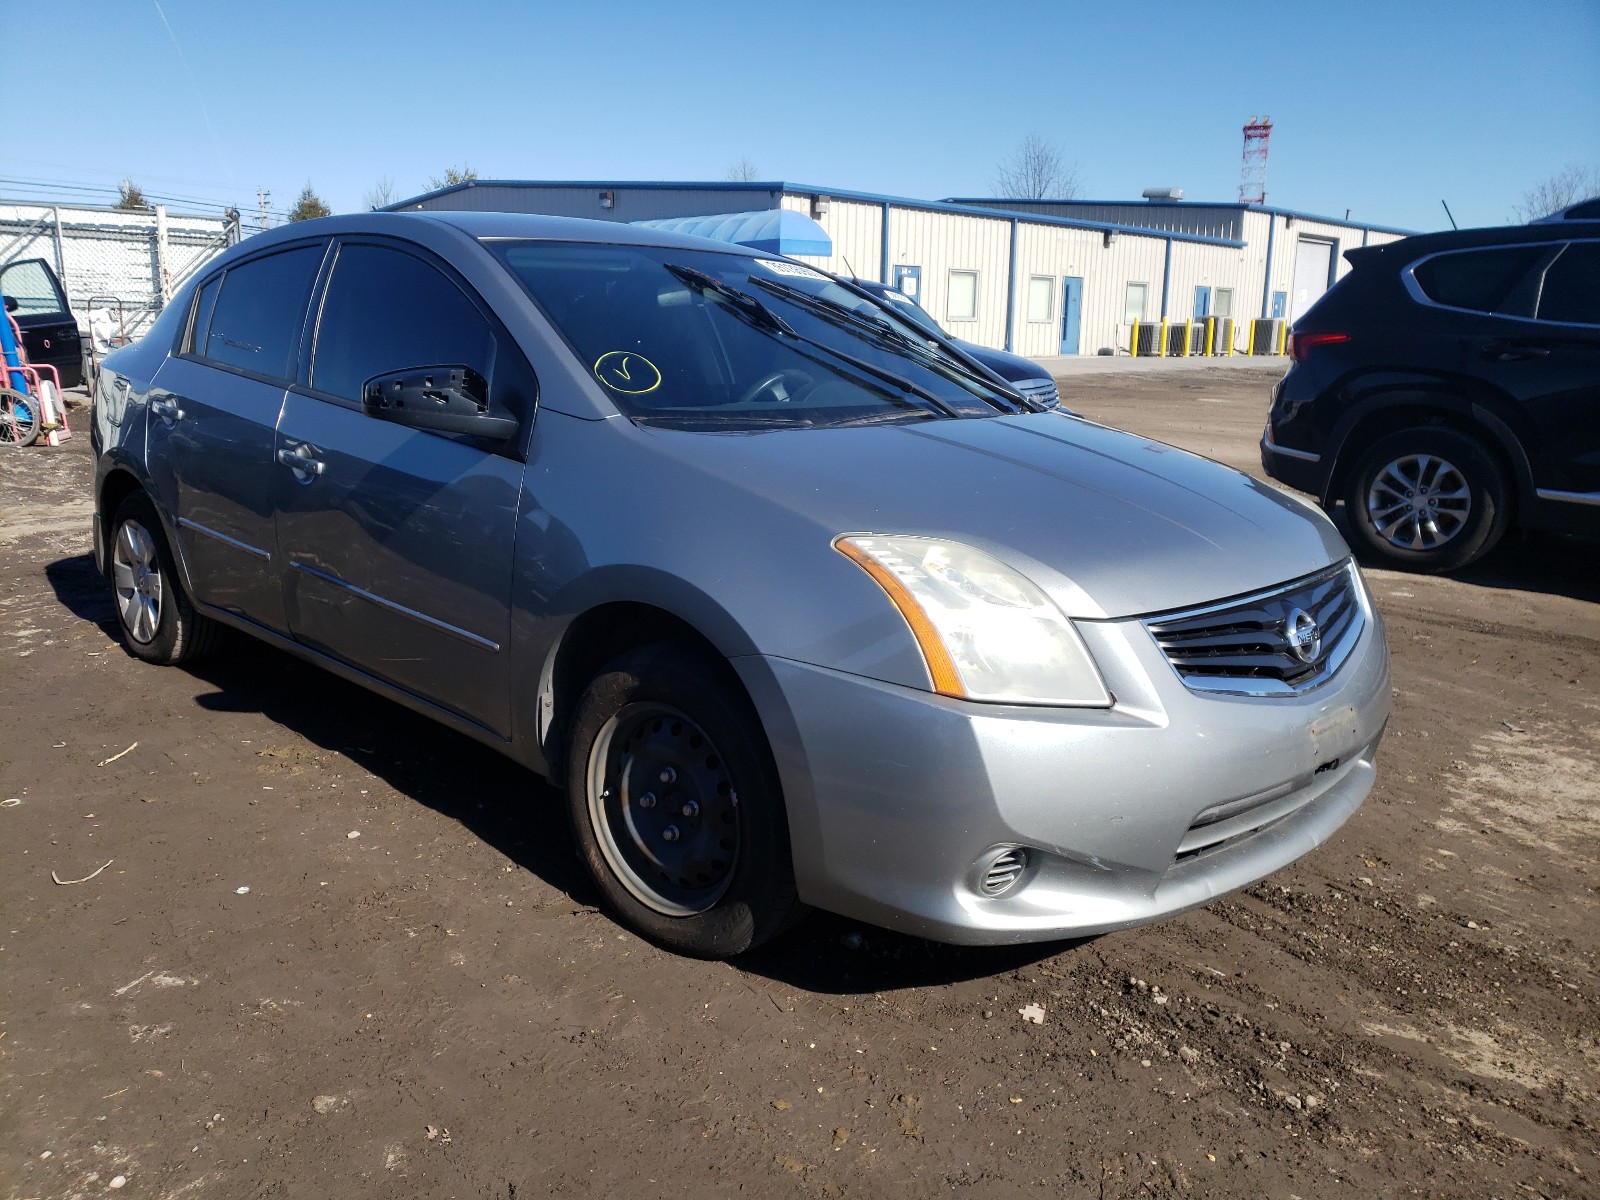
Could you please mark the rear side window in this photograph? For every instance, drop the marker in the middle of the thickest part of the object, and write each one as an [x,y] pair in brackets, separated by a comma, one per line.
[387,311]
[1571,291]
[255,325]
[1479,280]
[204,303]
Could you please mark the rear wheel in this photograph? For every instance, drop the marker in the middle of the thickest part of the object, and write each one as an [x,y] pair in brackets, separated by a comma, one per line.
[159,624]
[1427,499]
[19,418]
[676,807]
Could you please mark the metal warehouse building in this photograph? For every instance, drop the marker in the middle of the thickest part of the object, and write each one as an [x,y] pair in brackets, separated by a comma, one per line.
[1037,277]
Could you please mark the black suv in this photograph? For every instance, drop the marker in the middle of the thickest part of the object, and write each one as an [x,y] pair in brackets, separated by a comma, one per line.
[1447,389]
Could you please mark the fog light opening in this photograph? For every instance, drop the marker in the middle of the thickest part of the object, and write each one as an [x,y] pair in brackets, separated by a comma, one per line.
[1000,870]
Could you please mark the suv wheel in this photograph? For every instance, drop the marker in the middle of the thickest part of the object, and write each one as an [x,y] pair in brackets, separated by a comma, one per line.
[676,807]
[1427,499]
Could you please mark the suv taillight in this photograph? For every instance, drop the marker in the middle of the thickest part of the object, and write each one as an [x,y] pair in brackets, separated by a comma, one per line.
[1300,343]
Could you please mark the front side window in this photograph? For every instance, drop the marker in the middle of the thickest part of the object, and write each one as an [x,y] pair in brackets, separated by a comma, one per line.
[1479,280]
[255,325]
[33,287]
[386,311]
[963,302]
[1133,303]
[1041,294]
[706,340]
[1571,291]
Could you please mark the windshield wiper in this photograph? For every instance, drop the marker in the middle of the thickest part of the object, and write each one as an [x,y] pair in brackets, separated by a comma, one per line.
[741,302]
[842,314]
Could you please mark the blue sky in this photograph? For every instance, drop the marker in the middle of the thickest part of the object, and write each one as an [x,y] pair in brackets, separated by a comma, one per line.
[1380,108]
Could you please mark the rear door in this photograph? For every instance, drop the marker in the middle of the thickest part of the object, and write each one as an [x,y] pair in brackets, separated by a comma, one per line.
[397,543]
[213,409]
[1560,360]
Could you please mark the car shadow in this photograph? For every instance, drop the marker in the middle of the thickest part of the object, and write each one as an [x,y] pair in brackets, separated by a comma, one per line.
[1556,564]
[513,810]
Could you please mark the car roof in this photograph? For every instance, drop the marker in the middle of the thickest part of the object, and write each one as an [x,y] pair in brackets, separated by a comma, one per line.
[1409,249]
[496,225]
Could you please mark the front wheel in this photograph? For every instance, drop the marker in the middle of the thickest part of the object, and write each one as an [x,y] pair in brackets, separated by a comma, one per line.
[1427,499]
[676,807]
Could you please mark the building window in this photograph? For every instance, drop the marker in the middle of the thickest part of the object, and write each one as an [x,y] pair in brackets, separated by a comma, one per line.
[1041,297]
[963,302]
[1133,304]
[1222,303]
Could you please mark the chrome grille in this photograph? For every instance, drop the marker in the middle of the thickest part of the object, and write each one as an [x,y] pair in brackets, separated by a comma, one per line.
[1042,390]
[1247,646]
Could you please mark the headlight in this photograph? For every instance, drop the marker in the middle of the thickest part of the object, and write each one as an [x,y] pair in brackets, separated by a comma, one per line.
[986,631]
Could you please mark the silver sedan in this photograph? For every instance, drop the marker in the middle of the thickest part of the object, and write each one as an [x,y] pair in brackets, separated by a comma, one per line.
[801,605]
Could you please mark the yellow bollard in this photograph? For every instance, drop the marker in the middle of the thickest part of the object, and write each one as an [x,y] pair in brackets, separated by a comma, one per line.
[1188,337]
[1283,335]
[1133,341]
[1211,338]
[1161,350]
[1251,348]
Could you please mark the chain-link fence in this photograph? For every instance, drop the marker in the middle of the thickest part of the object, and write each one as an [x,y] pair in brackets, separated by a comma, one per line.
[128,263]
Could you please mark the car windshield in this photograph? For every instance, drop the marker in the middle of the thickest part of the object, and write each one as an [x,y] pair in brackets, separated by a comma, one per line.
[908,309]
[698,339]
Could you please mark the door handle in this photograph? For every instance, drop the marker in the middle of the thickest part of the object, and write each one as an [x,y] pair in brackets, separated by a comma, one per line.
[1514,351]
[301,463]
[166,407]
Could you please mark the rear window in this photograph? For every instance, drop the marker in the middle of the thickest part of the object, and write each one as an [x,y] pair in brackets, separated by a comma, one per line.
[1571,291]
[1479,280]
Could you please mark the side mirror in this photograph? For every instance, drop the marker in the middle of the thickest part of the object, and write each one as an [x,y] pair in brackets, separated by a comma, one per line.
[446,399]
[11,304]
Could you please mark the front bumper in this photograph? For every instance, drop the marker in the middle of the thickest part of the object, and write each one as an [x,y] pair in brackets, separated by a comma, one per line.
[895,795]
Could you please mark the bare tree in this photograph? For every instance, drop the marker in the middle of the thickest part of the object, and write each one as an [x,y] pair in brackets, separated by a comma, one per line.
[1566,186]
[130,197]
[380,194]
[453,176]
[743,170]
[1036,170]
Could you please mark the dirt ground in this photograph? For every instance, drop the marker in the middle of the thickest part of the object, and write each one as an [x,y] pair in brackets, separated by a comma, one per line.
[417,996]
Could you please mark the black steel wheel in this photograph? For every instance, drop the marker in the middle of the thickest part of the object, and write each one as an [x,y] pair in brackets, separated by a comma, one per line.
[675,804]
[1427,499]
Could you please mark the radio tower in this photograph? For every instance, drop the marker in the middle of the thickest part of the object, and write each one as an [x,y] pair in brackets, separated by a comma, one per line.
[1253,175]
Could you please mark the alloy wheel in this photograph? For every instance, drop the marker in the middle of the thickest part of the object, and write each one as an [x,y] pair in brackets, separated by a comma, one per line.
[136,575]
[1418,502]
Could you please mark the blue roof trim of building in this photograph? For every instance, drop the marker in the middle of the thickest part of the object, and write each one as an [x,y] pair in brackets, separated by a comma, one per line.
[781,186]
[964,201]
[778,230]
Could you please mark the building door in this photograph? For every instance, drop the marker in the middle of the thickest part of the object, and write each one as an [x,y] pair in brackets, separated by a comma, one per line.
[1202,303]
[1071,313]
[1313,266]
[909,281]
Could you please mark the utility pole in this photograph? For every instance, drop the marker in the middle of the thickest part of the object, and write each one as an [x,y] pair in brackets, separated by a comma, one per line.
[263,195]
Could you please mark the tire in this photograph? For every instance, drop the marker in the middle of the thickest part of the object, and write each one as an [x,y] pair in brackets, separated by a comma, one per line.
[158,621]
[1428,500]
[676,807]
[19,419]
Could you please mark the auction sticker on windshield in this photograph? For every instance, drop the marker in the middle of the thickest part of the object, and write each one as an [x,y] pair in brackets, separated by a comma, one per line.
[626,372]
[789,268]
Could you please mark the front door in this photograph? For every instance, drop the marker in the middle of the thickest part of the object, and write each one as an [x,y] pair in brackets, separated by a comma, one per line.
[213,411]
[397,543]
[909,281]
[1202,303]
[1071,313]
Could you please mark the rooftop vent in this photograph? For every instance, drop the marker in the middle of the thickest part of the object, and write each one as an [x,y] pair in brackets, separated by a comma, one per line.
[1163,193]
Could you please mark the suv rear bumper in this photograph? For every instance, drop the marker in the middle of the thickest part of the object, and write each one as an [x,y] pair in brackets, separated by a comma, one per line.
[1300,469]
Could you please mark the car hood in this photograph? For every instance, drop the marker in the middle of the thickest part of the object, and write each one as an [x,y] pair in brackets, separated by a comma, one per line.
[1110,524]
[1011,367]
